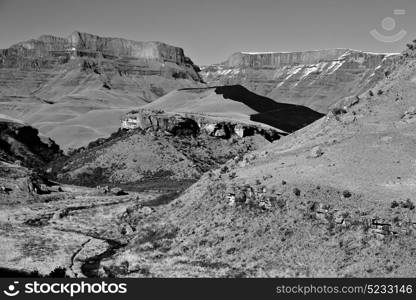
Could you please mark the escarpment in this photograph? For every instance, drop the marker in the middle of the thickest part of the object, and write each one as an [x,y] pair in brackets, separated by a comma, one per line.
[194,124]
[318,79]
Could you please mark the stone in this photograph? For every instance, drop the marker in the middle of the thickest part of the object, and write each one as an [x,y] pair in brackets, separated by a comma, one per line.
[231,199]
[126,229]
[220,133]
[146,210]
[316,152]
[146,246]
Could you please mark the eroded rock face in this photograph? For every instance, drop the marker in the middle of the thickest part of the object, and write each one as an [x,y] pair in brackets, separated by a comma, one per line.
[48,51]
[193,124]
[317,79]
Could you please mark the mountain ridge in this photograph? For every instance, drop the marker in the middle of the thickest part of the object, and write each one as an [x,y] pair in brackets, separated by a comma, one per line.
[319,79]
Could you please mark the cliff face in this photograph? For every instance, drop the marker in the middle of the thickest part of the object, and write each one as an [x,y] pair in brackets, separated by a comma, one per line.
[317,79]
[47,51]
[121,47]
[194,124]
[75,89]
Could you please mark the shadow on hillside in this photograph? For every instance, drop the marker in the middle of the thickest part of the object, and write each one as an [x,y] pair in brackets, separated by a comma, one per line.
[284,116]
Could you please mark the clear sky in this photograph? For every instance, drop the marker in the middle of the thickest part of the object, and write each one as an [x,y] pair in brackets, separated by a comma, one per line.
[210,30]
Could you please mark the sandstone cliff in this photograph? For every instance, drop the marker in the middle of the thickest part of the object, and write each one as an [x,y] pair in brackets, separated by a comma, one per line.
[48,51]
[194,124]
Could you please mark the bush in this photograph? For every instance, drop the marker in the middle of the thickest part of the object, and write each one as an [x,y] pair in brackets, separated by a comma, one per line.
[296,191]
[59,272]
[338,111]
[346,194]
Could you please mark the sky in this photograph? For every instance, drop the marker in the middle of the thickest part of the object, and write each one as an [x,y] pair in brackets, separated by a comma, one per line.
[211,30]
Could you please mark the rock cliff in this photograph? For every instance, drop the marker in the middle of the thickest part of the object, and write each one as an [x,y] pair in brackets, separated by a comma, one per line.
[48,51]
[318,79]
[221,111]
[194,124]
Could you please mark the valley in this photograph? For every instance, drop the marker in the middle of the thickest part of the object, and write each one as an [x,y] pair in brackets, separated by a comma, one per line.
[124,159]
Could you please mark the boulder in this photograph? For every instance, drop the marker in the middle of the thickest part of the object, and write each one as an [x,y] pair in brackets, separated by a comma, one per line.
[316,152]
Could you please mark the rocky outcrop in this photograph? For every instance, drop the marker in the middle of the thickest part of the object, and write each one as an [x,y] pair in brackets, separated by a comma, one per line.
[317,79]
[194,124]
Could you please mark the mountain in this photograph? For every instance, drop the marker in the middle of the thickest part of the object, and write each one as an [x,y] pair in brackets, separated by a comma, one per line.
[334,199]
[75,89]
[317,79]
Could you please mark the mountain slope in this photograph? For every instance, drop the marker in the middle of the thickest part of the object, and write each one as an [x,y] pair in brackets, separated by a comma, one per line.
[334,199]
[236,103]
[317,79]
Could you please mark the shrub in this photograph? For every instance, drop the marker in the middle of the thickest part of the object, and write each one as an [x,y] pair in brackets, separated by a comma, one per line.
[296,191]
[338,111]
[346,194]
[59,272]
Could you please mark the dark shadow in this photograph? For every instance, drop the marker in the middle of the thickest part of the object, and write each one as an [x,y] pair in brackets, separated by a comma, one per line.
[284,116]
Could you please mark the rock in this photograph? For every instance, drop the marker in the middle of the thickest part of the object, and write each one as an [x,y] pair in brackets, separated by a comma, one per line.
[340,217]
[148,246]
[146,210]
[126,229]
[193,124]
[386,139]
[55,189]
[231,199]
[220,133]
[316,152]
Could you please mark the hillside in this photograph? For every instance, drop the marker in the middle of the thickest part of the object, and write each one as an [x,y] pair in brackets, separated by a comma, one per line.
[334,199]
[140,160]
[76,89]
[23,143]
[238,104]
[318,79]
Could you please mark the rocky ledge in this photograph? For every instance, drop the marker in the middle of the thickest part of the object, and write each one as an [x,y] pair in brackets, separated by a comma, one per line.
[194,124]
